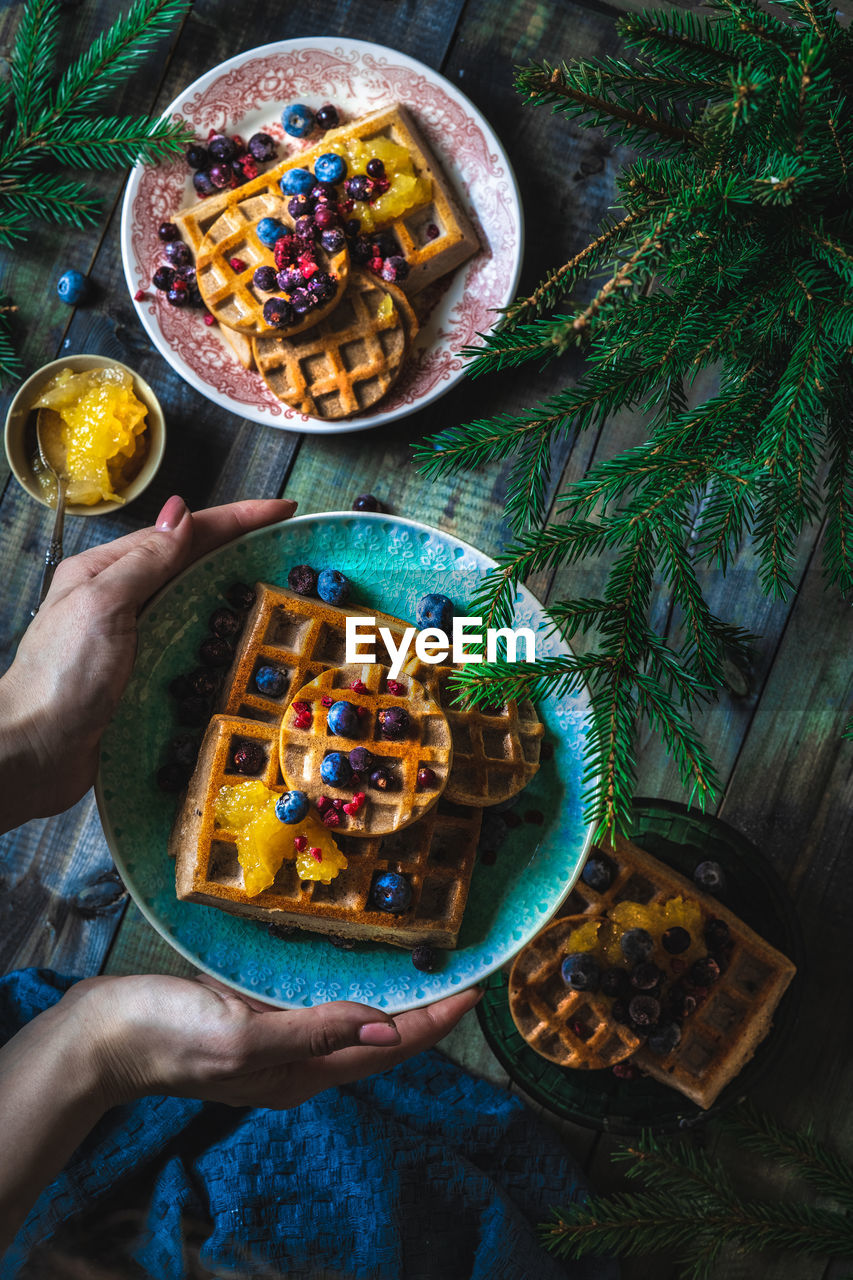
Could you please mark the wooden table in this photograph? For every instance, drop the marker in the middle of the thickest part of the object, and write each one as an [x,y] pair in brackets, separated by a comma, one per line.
[776,733]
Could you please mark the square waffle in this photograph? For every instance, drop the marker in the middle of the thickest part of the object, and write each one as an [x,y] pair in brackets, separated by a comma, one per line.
[429,256]
[725,1029]
[495,751]
[436,854]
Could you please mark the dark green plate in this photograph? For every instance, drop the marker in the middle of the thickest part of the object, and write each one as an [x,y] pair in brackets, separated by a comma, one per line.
[681,838]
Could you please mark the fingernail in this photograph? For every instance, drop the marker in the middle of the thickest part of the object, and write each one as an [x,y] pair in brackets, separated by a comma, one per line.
[172,514]
[378,1033]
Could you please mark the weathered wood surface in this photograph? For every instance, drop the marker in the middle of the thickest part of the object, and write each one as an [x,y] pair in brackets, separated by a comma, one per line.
[785,776]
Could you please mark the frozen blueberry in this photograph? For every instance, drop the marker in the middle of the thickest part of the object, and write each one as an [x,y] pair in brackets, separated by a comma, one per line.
[327,117]
[382,780]
[330,167]
[203,183]
[343,720]
[394,268]
[296,181]
[167,231]
[292,807]
[333,240]
[366,502]
[173,777]
[297,120]
[717,933]
[435,611]
[271,681]
[222,148]
[269,230]
[325,217]
[375,168]
[709,877]
[183,749]
[301,301]
[71,287]
[391,891]
[197,156]
[336,769]
[240,595]
[215,652]
[299,205]
[278,313]
[361,759]
[265,279]
[616,983]
[178,295]
[703,973]
[636,945]
[220,175]
[644,1011]
[163,278]
[203,682]
[302,579]
[262,147]
[581,971]
[393,722]
[645,976]
[249,758]
[303,228]
[359,187]
[675,940]
[664,1038]
[333,587]
[597,873]
[225,623]
[425,959]
[426,777]
[289,279]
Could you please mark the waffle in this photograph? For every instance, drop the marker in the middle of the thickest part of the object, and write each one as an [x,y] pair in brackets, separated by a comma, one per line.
[727,1026]
[346,363]
[495,753]
[571,1028]
[240,344]
[425,745]
[437,855]
[429,255]
[229,294]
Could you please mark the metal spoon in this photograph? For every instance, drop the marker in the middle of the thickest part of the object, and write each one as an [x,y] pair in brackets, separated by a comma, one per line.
[52,454]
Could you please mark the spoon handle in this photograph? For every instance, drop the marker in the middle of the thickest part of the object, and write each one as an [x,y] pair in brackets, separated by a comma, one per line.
[53,555]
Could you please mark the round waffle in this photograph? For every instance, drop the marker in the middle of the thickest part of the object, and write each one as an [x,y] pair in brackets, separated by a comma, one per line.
[305,740]
[495,749]
[571,1028]
[229,294]
[346,363]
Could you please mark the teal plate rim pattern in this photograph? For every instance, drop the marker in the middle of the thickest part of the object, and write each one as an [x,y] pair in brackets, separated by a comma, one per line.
[392,562]
[681,838]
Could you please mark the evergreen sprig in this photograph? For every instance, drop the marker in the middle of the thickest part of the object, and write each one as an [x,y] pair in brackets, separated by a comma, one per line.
[50,124]
[734,252]
[690,1206]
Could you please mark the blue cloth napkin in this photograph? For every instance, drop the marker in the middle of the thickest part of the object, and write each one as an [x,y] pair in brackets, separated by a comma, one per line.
[422,1173]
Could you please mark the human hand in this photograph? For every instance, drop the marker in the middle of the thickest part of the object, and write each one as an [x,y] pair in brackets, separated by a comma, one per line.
[200,1039]
[76,656]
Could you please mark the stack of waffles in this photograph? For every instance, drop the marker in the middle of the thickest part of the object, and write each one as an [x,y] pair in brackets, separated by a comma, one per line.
[576,1028]
[342,356]
[426,833]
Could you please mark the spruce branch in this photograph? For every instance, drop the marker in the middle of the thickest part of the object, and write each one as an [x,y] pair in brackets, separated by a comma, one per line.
[33,59]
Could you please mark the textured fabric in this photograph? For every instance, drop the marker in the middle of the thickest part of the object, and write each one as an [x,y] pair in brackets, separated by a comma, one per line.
[421,1173]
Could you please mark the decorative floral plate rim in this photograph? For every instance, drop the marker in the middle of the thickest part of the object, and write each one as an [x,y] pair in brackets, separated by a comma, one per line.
[392,563]
[247,92]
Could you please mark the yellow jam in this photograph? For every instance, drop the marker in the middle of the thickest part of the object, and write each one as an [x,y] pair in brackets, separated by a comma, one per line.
[603,935]
[263,842]
[407,191]
[98,427]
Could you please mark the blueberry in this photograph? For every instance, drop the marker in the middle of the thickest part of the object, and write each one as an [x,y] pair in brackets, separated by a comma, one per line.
[703,973]
[390,892]
[333,587]
[343,720]
[163,278]
[333,240]
[325,217]
[278,313]
[717,933]
[425,959]
[375,168]
[330,167]
[636,945]
[271,681]
[327,117]
[645,976]
[426,777]
[71,287]
[291,807]
[709,876]
[225,623]
[297,120]
[215,652]
[173,777]
[581,971]
[167,231]
[301,301]
[323,192]
[361,250]
[203,183]
[222,148]
[265,279]
[359,187]
[186,273]
[597,873]
[289,278]
[197,156]
[183,749]
[296,181]
[178,297]
[299,205]
[269,230]
[616,983]
[240,595]
[203,682]
[249,758]
[193,711]
[393,723]
[644,1011]
[382,780]
[220,175]
[395,268]
[336,769]
[361,759]
[303,228]
[675,940]
[262,147]
[178,254]
[366,502]
[322,286]
[664,1038]
[302,579]
[435,611]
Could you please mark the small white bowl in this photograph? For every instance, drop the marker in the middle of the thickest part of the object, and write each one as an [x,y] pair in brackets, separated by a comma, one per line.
[20,436]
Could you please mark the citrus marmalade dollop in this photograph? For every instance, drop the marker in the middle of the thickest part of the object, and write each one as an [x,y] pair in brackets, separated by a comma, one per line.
[406,191]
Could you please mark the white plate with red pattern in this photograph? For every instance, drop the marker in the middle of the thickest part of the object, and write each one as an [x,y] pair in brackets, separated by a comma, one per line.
[247,94]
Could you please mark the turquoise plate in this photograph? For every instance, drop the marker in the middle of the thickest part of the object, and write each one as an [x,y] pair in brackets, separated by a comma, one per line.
[391,563]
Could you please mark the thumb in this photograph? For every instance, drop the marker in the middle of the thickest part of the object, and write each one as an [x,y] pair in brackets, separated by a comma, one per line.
[163,551]
[294,1035]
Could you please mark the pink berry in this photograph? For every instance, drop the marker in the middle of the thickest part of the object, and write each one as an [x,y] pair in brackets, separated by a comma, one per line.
[316,854]
[140,295]
[394,687]
[237,264]
[332,818]
[426,777]
[300,843]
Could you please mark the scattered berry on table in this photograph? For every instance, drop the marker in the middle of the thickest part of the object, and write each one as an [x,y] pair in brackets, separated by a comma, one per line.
[664,1038]
[636,945]
[72,287]
[296,182]
[262,147]
[426,777]
[249,758]
[333,587]
[197,156]
[390,891]
[381,780]
[644,1011]
[297,120]
[597,873]
[327,117]
[393,722]
[361,759]
[336,769]
[203,183]
[265,279]
[215,652]
[675,940]
[167,231]
[173,777]
[342,719]
[375,168]
[425,959]
[366,502]
[645,976]
[240,595]
[278,313]
[221,147]
[435,611]
[269,230]
[330,167]
[581,971]
[302,579]
[292,807]
[709,877]
[271,681]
